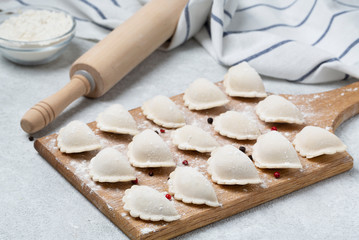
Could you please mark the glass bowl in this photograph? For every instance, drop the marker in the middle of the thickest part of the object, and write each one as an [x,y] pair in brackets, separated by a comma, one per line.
[35,52]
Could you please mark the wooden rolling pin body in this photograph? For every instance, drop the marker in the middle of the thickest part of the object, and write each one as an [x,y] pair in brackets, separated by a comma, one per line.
[110,59]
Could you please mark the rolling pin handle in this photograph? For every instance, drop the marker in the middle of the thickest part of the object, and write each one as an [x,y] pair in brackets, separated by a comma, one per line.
[48,109]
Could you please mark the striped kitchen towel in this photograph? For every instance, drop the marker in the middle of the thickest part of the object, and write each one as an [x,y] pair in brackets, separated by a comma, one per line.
[306,41]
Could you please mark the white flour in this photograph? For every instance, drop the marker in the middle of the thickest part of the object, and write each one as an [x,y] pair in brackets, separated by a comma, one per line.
[36,25]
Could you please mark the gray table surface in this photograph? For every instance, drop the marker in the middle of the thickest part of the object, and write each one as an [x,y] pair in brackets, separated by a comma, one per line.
[36,202]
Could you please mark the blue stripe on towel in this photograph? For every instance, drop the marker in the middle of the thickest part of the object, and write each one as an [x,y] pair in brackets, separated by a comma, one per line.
[227,13]
[266,5]
[314,69]
[276,25]
[329,60]
[188,23]
[349,48]
[22,3]
[346,4]
[267,50]
[217,19]
[329,25]
[95,23]
[94,8]
[115,3]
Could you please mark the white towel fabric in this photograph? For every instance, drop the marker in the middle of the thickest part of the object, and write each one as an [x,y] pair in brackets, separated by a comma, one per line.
[307,41]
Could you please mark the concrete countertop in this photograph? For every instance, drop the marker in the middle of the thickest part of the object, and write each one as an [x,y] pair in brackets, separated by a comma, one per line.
[36,202]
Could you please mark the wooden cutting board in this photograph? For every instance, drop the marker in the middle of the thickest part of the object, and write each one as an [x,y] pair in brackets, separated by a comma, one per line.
[327,110]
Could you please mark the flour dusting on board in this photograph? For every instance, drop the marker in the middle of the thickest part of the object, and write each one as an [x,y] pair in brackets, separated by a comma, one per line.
[81,169]
[124,214]
[51,144]
[147,230]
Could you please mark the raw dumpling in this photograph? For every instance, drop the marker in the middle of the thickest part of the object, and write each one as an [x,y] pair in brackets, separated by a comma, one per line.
[147,149]
[203,94]
[109,165]
[243,81]
[278,109]
[193,138]
[116,119]
[77,137]
[149,204]
[228,165]
[273,150]
[190,186]
[315,141]
[162,111]
[236,125]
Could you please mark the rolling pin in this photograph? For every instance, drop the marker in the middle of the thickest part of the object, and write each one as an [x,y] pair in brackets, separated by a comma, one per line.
[101,67]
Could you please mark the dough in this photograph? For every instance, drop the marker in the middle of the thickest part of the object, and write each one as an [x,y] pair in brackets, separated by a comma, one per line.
[278,109]
[203,94]
[230,166]
[77,137]
[242,80]
[109,165]
[315,141]
[162,111]
[273,150]
[190,186]
[116,119]
[147,149]
[149,204]
[236,125]
[193,138]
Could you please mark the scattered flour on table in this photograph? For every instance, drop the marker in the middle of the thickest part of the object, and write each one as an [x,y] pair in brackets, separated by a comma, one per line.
[74,226]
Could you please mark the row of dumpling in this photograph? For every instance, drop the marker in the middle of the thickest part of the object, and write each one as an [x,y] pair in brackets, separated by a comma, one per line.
[240,81]
[147,149]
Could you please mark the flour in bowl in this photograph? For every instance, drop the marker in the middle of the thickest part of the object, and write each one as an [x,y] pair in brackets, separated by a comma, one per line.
[36,25]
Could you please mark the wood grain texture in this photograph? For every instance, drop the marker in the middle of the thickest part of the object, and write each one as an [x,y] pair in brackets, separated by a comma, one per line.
[326,110]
